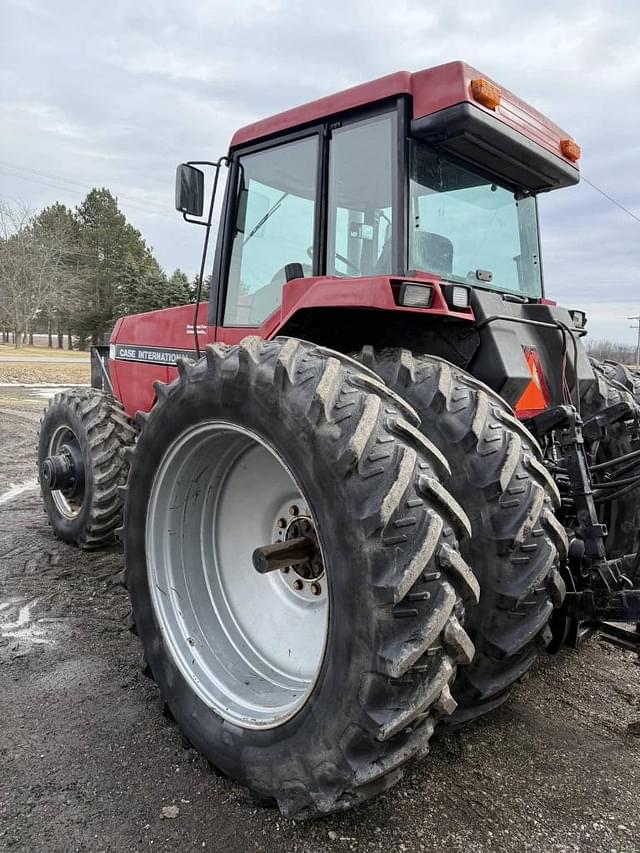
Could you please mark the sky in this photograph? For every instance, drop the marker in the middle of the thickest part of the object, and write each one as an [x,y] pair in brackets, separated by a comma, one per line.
[117,93]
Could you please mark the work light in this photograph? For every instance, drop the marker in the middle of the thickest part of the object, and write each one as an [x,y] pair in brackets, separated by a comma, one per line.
[415,295]
[457,296]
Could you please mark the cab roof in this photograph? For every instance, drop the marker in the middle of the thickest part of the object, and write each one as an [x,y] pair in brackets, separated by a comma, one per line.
[431,90]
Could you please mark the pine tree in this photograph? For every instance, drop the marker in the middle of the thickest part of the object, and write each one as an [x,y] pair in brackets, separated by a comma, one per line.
[206,284]
[178,288]
[109,246]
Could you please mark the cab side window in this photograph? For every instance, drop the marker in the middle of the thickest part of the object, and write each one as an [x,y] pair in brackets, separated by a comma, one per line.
[360,197]
[274,227]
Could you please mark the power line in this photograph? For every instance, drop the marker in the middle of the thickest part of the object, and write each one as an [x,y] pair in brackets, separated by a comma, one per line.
[611,199]
[43,174]
[161,212]
[58,183]
[65,180]
[81,194]
[637,219]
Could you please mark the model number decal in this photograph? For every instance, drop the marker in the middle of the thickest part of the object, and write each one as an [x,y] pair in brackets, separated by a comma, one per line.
[151,355]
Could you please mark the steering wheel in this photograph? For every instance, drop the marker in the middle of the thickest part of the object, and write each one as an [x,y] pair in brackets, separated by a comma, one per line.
[340,257]
[348,263]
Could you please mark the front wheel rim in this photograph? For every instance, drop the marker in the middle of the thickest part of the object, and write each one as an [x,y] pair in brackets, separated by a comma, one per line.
[251,646]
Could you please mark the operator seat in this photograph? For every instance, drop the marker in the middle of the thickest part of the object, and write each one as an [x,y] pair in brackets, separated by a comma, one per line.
[265,300]
[431,253]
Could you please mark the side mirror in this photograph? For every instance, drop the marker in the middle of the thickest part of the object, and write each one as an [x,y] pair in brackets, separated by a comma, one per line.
[189,190]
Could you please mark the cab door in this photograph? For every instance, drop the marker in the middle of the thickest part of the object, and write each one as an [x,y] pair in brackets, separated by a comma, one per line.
[276,223]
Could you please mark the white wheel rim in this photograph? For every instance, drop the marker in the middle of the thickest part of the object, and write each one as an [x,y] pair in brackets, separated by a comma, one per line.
[250,645]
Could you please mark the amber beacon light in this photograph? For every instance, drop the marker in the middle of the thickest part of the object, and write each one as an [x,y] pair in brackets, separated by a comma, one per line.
[570,149]
[485,93]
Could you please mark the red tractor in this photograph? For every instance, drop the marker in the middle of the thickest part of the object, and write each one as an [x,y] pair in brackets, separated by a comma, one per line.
[376,473]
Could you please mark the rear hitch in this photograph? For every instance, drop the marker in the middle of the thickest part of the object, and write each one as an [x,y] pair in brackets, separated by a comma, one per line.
[595,428]
[566,423]
[599,590]
[600,605]
[592,610]
[624,638]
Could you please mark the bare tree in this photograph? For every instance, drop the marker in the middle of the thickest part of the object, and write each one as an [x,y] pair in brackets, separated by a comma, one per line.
[612,351]
[56,227]
[31,268]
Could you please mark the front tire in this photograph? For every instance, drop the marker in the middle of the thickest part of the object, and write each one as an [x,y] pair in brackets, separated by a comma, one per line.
[373,683]
[92,427]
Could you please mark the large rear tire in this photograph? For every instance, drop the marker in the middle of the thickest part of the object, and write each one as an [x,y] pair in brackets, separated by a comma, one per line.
[620,373]
[316,704]
[88,429]
[622,515]
[498,477]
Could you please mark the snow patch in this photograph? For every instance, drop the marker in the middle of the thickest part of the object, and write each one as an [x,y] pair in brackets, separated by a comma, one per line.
[23,626]
[16,489]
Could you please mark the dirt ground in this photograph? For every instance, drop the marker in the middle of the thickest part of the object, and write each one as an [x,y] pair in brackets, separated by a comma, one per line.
[26,373]
[87,762]
[40,349]
[26,365]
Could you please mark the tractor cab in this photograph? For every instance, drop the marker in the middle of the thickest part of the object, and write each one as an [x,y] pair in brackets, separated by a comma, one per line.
[434,173]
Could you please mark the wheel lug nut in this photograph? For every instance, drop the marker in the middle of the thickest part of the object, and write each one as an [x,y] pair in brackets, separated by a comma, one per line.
[316,589]
[293,510]
[297,585]
[285,570]
[282,523]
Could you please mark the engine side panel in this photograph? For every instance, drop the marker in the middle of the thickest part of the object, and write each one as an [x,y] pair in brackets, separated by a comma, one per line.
[144,349]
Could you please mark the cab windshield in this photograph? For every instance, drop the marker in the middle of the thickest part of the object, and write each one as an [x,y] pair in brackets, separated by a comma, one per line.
[468,229]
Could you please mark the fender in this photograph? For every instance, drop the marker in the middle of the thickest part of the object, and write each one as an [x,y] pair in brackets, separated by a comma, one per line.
[376,293]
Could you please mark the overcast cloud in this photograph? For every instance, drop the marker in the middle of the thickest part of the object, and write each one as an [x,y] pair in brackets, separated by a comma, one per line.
[116,93]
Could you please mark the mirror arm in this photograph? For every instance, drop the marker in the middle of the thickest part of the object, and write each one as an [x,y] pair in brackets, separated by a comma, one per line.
[194,221]
[213,163]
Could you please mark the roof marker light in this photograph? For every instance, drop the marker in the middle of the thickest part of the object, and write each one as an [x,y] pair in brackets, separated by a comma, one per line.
[570,149]
[485,93]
